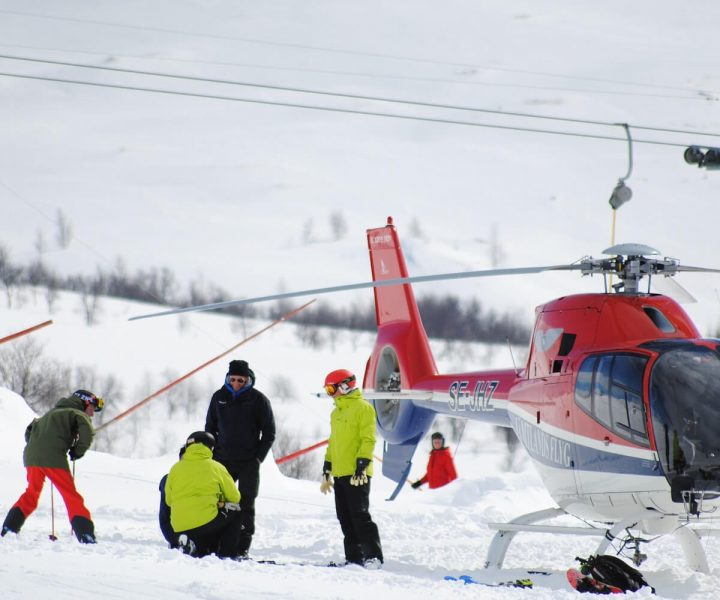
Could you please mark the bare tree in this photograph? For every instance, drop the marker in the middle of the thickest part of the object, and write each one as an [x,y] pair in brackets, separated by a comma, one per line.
[24,370]
[338,225]
[281,387]
[305,466]
[9,275]
[64,232]
[51,292]
[40,244]
[90,296]
[497,255]
[415,229]
[307,236]
[310,336]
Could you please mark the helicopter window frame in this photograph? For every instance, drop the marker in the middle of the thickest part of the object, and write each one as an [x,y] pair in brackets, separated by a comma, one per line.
[615,402]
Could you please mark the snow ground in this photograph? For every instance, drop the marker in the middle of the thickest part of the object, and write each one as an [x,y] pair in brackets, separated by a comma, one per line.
[426,535]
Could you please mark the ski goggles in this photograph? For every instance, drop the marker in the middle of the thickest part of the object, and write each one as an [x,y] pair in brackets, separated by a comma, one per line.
[90,399]
[343,386]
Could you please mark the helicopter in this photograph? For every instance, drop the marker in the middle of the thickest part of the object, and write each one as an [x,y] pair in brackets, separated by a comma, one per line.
[617,405]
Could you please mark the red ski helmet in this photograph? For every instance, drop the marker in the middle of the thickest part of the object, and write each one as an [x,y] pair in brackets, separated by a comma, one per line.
[339,380]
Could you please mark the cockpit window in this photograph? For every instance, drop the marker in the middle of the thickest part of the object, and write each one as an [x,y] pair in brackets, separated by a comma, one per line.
[685,405]
[609,389]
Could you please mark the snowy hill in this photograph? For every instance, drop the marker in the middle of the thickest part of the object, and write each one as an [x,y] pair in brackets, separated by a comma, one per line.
[241,194]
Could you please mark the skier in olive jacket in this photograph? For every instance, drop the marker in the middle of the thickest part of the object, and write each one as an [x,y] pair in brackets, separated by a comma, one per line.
[64,430]
[203,501]
[241,420]
[349,461]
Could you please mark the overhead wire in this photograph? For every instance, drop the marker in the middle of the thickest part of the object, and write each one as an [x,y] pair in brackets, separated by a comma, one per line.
[697,96]
[333,50]
[340,94]
[338,110]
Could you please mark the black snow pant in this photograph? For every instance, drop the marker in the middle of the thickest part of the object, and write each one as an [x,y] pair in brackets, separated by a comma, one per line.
[220,536]
[247,476]
[361,536]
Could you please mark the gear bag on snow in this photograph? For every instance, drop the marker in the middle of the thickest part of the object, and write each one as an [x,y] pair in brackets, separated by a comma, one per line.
[613,571]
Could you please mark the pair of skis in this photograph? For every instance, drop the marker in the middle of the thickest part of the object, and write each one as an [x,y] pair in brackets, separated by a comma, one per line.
[468,579]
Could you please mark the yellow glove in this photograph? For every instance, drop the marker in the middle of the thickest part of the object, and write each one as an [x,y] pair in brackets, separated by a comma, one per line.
[326,484]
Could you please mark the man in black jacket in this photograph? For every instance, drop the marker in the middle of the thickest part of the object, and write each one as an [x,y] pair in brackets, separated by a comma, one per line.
[241,419]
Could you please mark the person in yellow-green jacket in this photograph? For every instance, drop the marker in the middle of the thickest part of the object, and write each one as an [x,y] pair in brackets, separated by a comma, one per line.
[203,501]
[348,468]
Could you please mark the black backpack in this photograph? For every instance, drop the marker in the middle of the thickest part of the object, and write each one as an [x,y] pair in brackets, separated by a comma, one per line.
[613,571]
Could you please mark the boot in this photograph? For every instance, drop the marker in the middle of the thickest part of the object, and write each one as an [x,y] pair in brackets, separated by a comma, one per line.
[13,522]
[84,530]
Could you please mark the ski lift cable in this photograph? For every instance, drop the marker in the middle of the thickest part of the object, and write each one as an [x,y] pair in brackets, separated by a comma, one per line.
[336,109]
[413,59]
[341,94]
[694,94]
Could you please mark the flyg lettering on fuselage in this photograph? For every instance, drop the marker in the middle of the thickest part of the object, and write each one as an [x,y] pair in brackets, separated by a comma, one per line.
[479,399]
[541,445]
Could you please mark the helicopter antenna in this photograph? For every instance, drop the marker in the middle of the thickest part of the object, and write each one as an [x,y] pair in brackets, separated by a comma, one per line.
[512,357]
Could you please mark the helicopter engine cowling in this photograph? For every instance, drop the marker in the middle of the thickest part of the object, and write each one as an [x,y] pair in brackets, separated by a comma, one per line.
[399,420]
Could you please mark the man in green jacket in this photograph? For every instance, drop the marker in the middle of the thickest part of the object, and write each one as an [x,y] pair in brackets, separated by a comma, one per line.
[203,501]
[349,461]
[65,430]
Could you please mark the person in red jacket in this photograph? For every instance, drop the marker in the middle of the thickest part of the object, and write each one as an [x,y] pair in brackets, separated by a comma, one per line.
[441,467]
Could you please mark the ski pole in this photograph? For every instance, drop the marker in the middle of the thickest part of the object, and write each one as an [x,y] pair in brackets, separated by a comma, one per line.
[53,537]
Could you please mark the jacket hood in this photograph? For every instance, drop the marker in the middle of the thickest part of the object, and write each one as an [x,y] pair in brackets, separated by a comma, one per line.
[71,402]
[248,386]
[197,452]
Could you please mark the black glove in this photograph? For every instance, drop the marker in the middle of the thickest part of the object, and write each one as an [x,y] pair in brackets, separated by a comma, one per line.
[327,469]
[416,484]
[360,477]
[72,454]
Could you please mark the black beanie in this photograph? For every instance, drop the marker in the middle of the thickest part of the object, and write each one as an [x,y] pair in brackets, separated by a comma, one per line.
[240,367]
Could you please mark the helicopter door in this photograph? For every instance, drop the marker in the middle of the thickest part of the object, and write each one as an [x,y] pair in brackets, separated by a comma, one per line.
[608,389]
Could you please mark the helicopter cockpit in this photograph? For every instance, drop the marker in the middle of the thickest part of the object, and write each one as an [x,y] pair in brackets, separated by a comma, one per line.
[685,409]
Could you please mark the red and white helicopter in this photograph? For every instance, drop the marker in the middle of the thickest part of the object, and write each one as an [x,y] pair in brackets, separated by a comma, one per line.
[618,404]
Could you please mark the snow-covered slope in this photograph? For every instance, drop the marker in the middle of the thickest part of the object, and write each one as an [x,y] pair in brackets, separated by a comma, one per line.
[426,535]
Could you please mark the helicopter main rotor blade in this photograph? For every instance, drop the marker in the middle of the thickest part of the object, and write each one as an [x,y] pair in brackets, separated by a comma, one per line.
[669,287]
[363,285]
[690,269]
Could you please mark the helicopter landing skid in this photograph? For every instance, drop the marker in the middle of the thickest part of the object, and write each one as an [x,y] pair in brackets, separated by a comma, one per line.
[688,538]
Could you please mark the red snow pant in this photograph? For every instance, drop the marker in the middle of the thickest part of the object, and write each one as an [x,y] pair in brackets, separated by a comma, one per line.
[64,483]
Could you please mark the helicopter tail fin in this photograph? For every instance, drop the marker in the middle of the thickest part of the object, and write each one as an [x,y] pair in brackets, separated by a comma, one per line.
[401,359]
[396,312]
